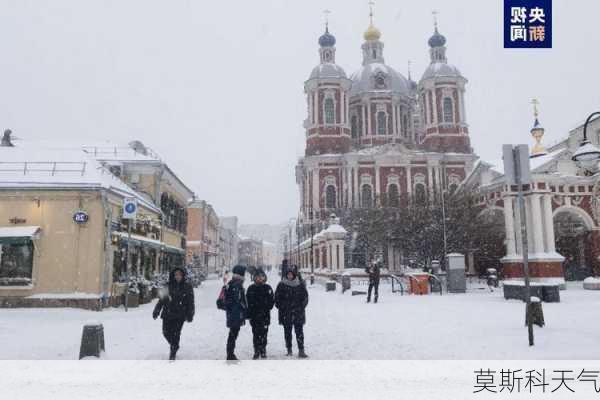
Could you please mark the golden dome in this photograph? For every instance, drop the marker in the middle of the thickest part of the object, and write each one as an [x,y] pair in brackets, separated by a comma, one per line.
[372,33]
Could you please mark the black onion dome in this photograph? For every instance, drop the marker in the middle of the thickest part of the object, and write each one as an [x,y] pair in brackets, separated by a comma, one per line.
[437,40]
[327,39]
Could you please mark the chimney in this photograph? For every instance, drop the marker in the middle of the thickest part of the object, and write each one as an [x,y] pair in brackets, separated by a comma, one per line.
[6,142]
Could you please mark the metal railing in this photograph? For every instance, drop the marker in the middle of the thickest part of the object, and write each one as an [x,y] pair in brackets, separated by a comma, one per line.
[52,167]
[99,151]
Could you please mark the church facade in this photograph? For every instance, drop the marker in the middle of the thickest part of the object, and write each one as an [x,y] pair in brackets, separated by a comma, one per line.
[376,136]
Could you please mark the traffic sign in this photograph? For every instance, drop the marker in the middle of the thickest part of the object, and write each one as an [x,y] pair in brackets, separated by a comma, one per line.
[130,208]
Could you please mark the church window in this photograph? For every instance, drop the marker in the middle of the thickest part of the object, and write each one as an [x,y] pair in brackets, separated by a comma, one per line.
[354,126]
[381,123]
[393,195]
[420,193]
[366,196]
[329,111]
[330,197]
[448,110]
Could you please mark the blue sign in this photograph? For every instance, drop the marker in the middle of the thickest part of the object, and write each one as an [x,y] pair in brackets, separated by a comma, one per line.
[81,217]
[527,24]
[130,208]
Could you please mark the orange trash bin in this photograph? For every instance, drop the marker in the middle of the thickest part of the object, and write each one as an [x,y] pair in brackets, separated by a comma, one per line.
[419,284]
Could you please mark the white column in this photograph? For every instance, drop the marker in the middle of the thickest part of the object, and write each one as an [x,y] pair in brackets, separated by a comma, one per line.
[509,227]
[549,225]
[408,180]
[394,130]
[463,113]
[315,178]
[369,132]
[536,223]
[343,106]
[356,188]
[364,120]
[377,186]
[430,181]
[342,264]
[434,102]
[316,106]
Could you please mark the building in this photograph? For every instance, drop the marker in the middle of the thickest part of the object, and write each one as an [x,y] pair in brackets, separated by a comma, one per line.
[270,255]
[203,236]
[62,239]
[250,252]
[379,138]
[228,243]
[562,207]
[144,171]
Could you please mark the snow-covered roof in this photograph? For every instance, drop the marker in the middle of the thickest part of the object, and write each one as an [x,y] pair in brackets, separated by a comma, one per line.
[29,165]
[327,70]
[335,228]
[363,80]
[540,161]
[441,69]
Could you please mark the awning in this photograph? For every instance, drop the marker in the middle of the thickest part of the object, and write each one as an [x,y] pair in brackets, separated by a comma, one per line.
[174,250]
[19,234]
[140,240]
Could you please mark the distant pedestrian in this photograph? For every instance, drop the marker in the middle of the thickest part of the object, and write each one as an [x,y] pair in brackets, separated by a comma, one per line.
[236,308]
[175,305]
[374,272]
[291,298]
[284,268]
[260,303]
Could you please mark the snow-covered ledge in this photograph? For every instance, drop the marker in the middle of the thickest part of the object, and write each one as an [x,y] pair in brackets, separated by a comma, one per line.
[328,249]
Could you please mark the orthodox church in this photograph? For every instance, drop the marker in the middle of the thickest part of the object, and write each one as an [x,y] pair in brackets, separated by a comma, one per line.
[375,137]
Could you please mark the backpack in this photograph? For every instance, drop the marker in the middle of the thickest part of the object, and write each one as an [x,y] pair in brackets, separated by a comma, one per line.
[221,299]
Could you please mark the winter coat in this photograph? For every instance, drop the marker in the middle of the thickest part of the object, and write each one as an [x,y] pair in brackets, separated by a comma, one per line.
[374,274]
[178,303]
[291,298]
[235,303]
[260,303]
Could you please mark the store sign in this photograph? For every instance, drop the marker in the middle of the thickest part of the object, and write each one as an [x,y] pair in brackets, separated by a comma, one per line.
[81,217]
[17,221]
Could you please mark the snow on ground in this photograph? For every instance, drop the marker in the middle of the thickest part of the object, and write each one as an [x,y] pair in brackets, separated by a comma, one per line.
[477,325]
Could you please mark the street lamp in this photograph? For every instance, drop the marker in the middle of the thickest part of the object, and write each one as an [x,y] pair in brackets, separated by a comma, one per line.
[587,155]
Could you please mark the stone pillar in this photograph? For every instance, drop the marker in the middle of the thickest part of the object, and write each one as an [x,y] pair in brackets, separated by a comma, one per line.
[394,131]
[364,120]
[356,188]
[537,221]
[315,191]
[408,180]
[549,224]
[377,195]
[369,119]
[430,182]
[511,249]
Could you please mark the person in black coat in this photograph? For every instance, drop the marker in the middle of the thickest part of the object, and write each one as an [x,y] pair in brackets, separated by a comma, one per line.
[374,273]
[235,307]
[260,303]
[291,298]
[176,305]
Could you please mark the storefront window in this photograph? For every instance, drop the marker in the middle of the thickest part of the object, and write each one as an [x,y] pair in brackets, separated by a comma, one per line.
[16,264]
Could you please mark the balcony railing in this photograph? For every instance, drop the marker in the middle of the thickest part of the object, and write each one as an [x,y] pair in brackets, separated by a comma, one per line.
[51,167]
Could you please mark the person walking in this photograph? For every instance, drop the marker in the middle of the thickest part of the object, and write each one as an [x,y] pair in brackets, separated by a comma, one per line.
[291,299]
[236,308]
[374,273]
[175,305]
[260,303]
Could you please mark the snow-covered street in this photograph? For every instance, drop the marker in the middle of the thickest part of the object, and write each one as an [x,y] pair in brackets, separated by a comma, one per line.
[476,325]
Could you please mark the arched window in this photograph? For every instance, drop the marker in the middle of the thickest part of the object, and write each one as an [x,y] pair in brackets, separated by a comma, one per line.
[420,193]
[381,123]
[354,126]
[393,195]
[448,110]
[330,197]
[366,196]
[329,111]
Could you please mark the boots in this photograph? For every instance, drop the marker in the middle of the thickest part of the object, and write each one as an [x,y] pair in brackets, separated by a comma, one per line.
[289,352]
[263,352]
[173,353]
[256,354]
[302,354]
[232,357]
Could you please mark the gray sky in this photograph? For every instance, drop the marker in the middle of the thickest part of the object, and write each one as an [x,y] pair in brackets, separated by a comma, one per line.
[217,88]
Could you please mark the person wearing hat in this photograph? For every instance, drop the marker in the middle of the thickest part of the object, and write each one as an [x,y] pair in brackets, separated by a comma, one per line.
[291,299]
[260,303]
[175,305]
[235,307]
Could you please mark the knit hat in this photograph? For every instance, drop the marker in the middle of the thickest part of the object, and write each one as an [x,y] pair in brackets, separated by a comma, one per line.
[239,270]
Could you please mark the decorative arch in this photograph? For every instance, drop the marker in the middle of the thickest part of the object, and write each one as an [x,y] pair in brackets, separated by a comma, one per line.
[581,213]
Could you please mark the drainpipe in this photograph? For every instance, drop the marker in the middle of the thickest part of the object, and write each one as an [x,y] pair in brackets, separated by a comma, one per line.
[105,278]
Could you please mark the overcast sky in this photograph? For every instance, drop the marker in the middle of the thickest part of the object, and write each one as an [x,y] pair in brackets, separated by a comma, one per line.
[216,88]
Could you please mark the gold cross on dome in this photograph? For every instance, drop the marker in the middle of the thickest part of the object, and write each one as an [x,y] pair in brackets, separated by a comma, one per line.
[435,13]
[371,4]
[535,103]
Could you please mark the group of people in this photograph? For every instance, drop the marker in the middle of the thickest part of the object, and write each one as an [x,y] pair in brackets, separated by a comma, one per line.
[176,305]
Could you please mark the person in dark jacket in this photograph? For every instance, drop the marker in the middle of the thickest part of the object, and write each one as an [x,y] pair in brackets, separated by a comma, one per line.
[260,303]
[374,277]
[236,308]
[284,268]
[291,298]
[176,305]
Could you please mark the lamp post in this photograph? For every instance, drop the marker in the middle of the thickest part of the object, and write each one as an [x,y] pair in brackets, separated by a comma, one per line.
[587,155]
